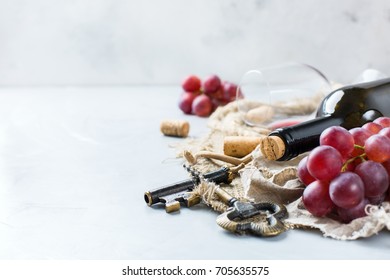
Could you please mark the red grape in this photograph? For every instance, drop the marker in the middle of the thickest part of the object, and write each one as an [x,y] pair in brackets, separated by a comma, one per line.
[373,127]
[324,163]
[211,84]
[185,102]
[383,121]
[303,173]
[339,138]
[374,177]
[191,84]
[346,190]
[360,135]
[202,106]
[358,211]
[385,132]
[218,94]
[376,200]
[377,148]
[386,165]
[216,103]
[230,91]
[316,198]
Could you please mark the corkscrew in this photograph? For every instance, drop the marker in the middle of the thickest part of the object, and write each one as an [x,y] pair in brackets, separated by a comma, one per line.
[261,218]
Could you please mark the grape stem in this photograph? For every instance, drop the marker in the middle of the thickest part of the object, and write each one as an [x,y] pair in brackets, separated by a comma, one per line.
[358,147]
[362,157]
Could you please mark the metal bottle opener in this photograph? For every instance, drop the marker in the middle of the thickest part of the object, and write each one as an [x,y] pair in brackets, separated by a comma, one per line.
[261,218]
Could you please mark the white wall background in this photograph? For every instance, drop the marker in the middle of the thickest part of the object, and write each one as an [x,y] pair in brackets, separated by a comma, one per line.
[110,42]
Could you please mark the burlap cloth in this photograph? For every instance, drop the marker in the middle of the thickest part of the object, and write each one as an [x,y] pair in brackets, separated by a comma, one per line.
[262,179]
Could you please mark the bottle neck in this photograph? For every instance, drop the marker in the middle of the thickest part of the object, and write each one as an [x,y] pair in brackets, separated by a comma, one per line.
[305,136]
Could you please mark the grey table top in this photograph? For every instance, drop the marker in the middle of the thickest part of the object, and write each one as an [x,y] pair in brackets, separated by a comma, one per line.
[75,162]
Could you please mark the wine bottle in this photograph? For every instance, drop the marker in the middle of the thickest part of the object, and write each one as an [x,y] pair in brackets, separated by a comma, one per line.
[349,107]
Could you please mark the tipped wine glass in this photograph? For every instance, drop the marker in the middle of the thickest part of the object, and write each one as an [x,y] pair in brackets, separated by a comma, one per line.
[286,91]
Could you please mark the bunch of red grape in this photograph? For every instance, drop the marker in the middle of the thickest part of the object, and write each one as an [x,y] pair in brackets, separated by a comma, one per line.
[202,98]
[349,170]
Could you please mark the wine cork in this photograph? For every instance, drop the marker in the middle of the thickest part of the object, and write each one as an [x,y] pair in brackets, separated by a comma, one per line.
[272,147]
[260,114]
[177,128]
[240,146]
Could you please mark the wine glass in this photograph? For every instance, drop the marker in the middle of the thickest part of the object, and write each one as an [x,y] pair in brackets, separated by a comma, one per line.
[286,91]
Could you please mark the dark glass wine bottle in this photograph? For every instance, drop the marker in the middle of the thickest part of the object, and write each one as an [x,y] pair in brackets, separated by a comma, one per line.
[349,107]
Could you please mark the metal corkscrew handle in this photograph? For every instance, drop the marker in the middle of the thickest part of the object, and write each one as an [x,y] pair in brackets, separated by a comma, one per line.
[173,194]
